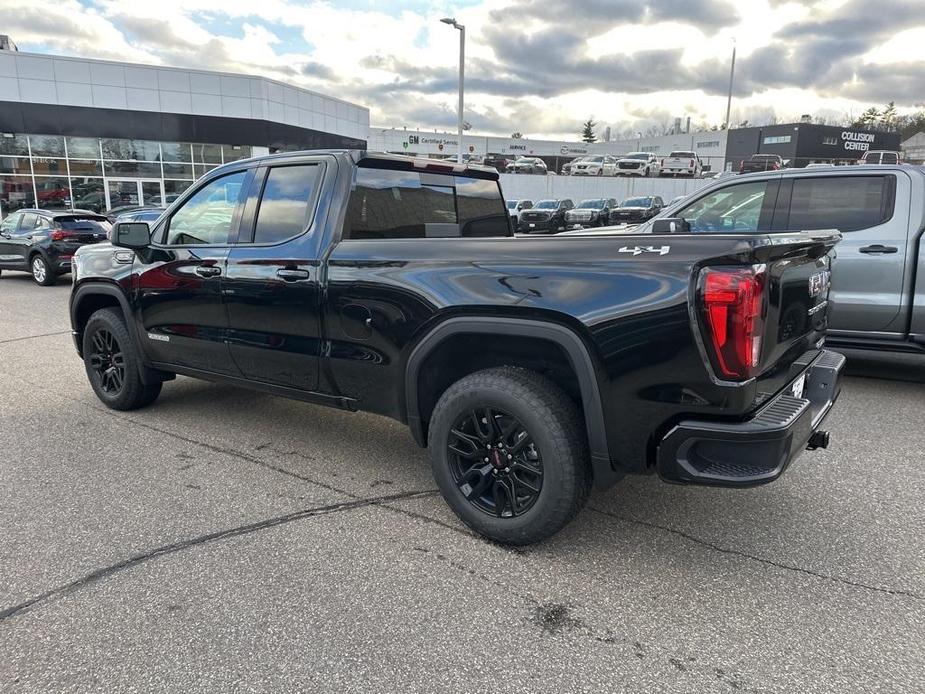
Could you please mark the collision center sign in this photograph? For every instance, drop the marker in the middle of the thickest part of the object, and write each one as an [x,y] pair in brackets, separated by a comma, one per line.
[856,142]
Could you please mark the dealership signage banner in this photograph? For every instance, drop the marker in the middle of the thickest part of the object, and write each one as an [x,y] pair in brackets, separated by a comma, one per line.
[855,141]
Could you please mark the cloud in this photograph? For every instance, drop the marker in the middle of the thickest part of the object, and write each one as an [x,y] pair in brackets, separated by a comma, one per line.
[538,66]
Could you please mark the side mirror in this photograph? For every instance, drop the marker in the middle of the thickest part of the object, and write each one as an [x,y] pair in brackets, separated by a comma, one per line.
[132,235]
[671,225]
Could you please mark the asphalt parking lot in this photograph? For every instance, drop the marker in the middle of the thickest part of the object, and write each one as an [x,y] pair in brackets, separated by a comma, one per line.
[224,540]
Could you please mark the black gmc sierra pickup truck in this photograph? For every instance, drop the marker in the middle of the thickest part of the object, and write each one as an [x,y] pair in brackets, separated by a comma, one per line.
[531,368]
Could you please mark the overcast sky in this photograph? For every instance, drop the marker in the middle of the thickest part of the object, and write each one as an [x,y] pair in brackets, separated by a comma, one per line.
[535,66]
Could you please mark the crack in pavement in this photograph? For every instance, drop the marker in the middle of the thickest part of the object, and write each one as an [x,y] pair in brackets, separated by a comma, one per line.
[33,337]
[761,560]
[173,548]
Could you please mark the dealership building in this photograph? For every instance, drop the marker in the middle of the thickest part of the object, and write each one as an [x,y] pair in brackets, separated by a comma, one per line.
[96,134]
[799,144]
[709,145]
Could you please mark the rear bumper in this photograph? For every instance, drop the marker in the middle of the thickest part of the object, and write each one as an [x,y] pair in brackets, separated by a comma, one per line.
[757,450]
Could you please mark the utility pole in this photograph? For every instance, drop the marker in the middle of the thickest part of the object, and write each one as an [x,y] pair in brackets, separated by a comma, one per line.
[732,71]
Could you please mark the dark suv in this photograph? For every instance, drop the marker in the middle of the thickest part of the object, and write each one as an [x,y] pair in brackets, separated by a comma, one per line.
[43,242]
[547,216]
[635,210]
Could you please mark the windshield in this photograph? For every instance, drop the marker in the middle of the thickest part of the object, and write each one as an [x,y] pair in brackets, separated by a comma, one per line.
[765,156]
[547,204]
[682,155]
[590,204]
[594,160]
[511,204]
[88,223]
[636,202]
[637,155]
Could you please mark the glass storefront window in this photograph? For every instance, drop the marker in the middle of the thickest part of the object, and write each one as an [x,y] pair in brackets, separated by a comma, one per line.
[83,148]
[47,145]
[176,151]
[131,169]
[235,152]
[54,192]
[17,144]
[15,193]
[89,194]
[172,189]
[15,165]
[136,150]
[207,154]
[49,166]
[201,169]
[178,171]
[80,167]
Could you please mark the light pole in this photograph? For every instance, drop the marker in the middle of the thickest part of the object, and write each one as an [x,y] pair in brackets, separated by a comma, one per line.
[732,71]
[462,77]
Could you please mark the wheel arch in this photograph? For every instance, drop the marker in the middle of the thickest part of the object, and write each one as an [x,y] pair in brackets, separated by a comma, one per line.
[93,296]
[569,343]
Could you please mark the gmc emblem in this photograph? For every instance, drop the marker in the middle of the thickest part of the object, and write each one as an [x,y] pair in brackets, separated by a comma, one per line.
[819,282]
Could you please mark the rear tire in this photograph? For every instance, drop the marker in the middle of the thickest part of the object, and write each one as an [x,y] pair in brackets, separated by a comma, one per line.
[113,363]
[41,271]
[508,452]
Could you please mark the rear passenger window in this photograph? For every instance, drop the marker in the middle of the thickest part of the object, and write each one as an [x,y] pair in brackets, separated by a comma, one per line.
[846,203]
[287,202]
[389,204]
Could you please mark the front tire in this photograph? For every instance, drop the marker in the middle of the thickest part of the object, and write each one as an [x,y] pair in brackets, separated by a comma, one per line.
[508,452]
[41,271]
[113,363]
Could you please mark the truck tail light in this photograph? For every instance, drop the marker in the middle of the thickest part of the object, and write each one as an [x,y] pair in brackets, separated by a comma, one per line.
[663,163]
[732,301]
[59,235]
[692,163]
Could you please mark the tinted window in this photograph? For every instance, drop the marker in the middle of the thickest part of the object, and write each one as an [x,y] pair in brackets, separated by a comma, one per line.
[28,221]
[846,203]
[387,204]
[733,208]
[286,205]
[207,217]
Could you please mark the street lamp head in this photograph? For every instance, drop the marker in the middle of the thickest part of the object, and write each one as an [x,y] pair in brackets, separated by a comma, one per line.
[449,20]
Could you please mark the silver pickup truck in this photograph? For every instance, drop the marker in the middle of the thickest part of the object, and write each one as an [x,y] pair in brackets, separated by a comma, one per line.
[878,275]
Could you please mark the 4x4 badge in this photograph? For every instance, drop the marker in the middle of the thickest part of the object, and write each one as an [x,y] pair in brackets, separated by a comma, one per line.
[639,250]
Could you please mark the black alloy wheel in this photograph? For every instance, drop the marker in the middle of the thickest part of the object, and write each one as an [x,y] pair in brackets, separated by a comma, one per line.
[495,462]
[107,361]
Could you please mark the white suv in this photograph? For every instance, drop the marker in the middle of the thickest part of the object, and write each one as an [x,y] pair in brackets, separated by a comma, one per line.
[594,166]
[638,164]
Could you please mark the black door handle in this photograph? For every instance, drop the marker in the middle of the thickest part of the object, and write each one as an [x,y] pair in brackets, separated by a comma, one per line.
[208,271]
[291,275]
[879,248]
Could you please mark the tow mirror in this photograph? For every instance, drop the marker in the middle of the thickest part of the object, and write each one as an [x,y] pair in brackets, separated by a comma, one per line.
[132,235]
[671,225]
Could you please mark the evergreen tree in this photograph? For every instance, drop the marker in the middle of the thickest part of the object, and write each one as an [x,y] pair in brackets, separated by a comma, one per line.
[587,131]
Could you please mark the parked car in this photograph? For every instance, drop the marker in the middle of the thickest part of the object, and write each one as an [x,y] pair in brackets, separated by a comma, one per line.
[682,163]
[636,210]
[514,208]
[567,166]
[43,242]
[116,212]
[595,166]
[528,165]
[761,162]
[878,274]
[547,216]
[139,214]
[499,162]
[881,156]
[590,213]
[531,369]
[638,164]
